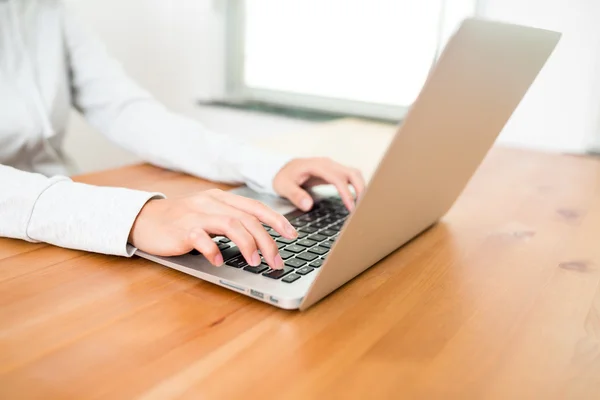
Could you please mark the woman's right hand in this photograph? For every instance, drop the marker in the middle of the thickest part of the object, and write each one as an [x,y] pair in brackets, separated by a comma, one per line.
[171,227]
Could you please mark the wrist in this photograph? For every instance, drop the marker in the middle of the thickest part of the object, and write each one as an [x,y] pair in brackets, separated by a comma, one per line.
[261,175]
[281,177]
[139,222]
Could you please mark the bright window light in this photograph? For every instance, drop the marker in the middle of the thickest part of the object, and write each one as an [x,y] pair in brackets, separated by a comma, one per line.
[338,54]
[377,51]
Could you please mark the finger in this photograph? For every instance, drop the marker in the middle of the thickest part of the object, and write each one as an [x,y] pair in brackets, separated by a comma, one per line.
[234,230]
[260,211]
[262,238]
[336,178]
[265,242]
[205,245]
[357,181]
[298,196]
[341,184]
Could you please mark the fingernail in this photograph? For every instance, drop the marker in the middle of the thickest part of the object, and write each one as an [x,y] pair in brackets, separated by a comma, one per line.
[278,262]
[289,229]
[306,204]
[255,259]
[219,260]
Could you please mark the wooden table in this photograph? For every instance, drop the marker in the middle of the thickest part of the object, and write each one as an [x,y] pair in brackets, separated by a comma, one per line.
[500,300]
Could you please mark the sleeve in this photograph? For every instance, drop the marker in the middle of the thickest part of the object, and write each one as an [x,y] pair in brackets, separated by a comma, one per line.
[67,214]
[131,118]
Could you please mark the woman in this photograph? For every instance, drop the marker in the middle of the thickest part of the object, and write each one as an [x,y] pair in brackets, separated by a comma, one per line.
[48,63]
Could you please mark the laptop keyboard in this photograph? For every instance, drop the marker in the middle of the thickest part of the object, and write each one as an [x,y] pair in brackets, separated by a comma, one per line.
[317,231]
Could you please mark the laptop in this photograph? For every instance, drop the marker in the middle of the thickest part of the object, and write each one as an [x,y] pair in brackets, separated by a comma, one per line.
[483,73]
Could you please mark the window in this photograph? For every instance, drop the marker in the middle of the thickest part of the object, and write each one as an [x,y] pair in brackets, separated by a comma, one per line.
[360,57]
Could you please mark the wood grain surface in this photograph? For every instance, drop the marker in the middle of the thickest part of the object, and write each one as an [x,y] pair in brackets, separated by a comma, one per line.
[500,300]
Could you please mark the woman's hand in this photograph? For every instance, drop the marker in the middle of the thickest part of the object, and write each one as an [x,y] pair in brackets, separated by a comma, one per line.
[303,173]
[172,227]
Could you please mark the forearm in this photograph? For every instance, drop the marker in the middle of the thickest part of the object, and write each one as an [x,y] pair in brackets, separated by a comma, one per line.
[176,142]
[67,214]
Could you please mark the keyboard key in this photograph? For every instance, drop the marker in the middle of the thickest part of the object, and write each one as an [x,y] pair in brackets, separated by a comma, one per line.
[224,246]
[294,248]
[306,243]
[280,245]
[317,237]
[326,244]
[336,227]
[286,241]
[278,273]
[307,256]
[319,224]
[230,253]
[304,270]
[295,263]
[298,223]
[286,254]
[307,218]
[225,240]
[238,262]
[329,220]
[267,227]
[294,214]
[302,235]
[328,232]
[316,263]
[309,229]
[274,234]
[319,250]
[256,270]
[291,278]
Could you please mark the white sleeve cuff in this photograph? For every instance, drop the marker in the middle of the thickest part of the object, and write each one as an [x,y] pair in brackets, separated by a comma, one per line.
[84,217]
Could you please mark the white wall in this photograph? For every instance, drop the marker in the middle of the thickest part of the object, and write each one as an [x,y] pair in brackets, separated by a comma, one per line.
[562,109]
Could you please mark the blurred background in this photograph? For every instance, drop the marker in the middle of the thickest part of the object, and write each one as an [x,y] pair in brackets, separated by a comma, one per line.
[263,68]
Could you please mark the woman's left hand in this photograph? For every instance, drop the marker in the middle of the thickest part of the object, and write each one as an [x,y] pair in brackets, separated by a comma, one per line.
[303,173]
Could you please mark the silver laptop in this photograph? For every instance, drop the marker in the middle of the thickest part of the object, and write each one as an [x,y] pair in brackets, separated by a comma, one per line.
[480,78]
